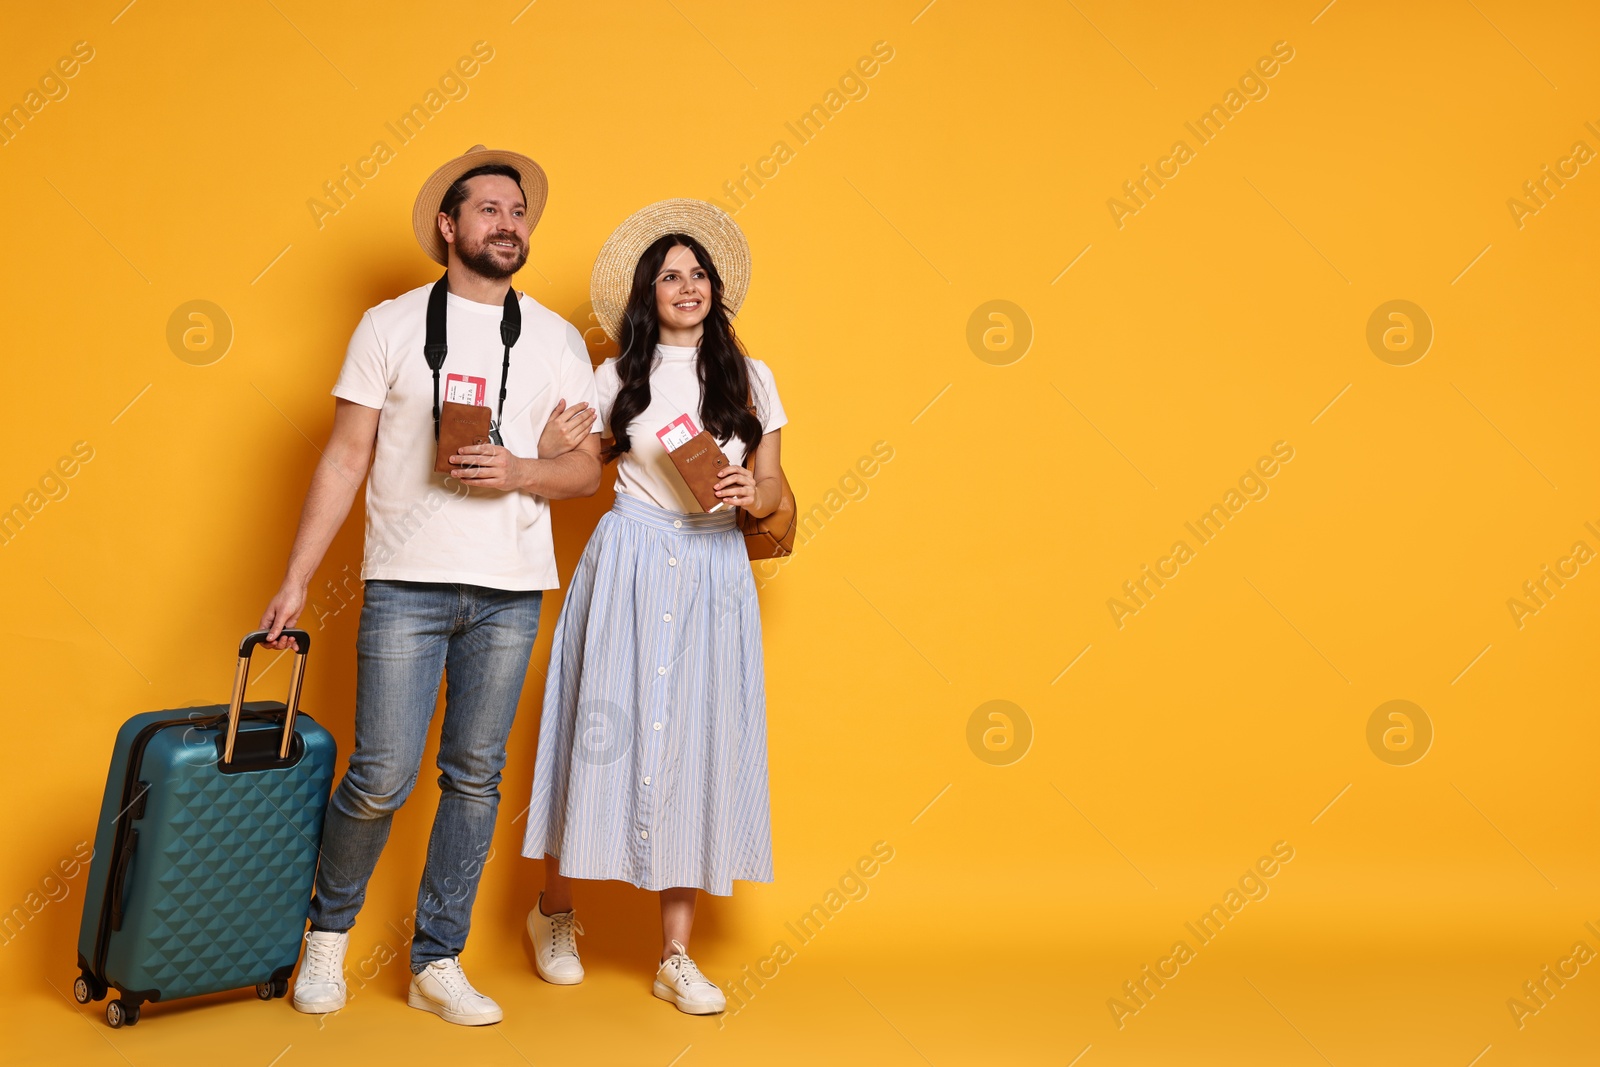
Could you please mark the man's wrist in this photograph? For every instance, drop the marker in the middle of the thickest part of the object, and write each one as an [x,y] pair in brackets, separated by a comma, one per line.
[524,473]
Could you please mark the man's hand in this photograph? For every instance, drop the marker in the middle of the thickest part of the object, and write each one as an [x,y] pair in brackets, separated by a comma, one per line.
[488,467]
[282,614]
[565,429]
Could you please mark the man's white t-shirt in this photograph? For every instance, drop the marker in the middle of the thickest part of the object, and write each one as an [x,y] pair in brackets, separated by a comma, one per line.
[645,470]
[427,527]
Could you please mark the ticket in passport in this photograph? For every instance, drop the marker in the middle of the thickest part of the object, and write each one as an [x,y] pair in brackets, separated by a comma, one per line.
[677,433]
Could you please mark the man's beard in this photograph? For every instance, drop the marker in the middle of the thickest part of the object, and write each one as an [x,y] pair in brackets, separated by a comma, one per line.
[485,261]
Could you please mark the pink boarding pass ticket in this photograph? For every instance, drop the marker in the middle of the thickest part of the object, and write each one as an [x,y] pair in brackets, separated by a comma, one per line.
[677,432]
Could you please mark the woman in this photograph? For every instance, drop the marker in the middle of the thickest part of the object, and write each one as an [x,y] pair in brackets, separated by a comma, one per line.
[652,761]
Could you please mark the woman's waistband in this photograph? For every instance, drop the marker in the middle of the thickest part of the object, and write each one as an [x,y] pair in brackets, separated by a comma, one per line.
[632,507]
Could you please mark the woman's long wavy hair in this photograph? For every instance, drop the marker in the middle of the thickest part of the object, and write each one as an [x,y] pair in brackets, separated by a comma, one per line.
[720,363]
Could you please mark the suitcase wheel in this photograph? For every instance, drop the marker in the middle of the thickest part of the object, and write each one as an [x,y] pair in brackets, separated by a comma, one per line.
[273,989]
[121,1013]
[86,988]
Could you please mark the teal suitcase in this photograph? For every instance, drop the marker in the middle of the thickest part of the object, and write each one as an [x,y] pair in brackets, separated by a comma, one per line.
[206,849]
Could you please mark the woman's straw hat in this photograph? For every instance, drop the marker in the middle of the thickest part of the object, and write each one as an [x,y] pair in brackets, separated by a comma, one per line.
[425,212]
[717,233]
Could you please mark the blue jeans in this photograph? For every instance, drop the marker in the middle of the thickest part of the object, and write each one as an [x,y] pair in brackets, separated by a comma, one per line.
[411,633]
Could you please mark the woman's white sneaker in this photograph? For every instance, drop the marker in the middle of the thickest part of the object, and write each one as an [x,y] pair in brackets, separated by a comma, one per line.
[320,987]
[442,988]
[555,945]
[680,982]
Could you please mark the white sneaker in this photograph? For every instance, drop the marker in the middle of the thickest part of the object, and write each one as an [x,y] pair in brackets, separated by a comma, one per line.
[442,988]
[320,987]
[555,949]
[680,982]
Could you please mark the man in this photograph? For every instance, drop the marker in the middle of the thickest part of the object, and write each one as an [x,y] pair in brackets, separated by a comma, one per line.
[455,565]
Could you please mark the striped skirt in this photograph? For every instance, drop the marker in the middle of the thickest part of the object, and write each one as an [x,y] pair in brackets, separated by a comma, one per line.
[652,760]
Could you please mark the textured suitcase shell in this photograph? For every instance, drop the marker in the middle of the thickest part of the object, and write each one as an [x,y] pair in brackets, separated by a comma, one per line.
[216,892]
[219,864]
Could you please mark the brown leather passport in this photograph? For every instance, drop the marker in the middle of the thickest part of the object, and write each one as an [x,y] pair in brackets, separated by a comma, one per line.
[698,462]
[459,424]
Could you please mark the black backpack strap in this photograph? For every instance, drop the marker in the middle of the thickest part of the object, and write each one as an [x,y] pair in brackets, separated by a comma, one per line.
[434,345]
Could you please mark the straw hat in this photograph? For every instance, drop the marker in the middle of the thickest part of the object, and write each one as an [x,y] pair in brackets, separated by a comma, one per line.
[717,233]
[425,212]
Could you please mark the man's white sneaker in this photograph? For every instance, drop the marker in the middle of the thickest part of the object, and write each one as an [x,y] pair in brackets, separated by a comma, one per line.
[555,948]
[680,982]
[442,988]
[320,987]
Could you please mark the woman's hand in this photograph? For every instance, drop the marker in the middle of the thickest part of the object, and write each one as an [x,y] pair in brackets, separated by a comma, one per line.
[736,486]
[565,429]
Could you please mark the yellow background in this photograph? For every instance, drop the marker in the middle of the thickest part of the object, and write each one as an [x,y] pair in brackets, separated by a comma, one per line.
[1229,313]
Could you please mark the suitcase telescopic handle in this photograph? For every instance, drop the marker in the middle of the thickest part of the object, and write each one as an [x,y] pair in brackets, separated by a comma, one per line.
[241,676]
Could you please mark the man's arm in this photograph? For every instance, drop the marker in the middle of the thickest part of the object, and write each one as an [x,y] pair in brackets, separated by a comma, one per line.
[571,474]
[333,489]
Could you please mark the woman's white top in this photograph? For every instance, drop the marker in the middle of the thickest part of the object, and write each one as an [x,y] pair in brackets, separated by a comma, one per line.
[645,471]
